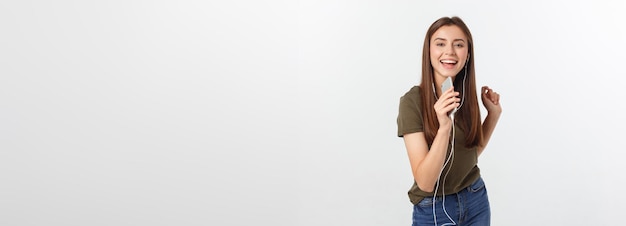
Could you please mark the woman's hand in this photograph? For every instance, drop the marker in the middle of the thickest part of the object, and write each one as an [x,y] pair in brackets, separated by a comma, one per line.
[444,105]
[491,100]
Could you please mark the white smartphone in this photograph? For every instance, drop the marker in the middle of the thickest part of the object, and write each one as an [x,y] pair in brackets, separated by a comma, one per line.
[444,87]
[446,84]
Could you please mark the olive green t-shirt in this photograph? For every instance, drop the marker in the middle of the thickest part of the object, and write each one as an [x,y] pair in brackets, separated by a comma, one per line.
[464,170]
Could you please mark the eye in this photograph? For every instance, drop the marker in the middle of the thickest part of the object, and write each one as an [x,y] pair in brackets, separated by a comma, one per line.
[460,45]
[440,44]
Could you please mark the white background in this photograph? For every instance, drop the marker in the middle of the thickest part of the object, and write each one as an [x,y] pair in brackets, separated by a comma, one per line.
[283,113]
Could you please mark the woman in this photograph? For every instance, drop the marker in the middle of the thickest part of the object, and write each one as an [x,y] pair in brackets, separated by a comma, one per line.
[446,171]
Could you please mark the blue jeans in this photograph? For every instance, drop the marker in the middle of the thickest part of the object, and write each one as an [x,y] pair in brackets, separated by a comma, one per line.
[469,206]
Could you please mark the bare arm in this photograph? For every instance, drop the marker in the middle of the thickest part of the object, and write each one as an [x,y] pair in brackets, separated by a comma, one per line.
[491,101]
[426,164]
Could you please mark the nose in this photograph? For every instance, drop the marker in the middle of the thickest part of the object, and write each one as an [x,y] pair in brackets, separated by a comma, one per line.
[449,50]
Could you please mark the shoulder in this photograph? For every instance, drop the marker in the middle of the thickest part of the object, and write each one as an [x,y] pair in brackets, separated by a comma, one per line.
[410,112]
[411,101]
[413,95]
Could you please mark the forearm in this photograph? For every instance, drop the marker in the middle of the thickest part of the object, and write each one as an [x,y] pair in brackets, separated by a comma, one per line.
[489,125]
[428,171]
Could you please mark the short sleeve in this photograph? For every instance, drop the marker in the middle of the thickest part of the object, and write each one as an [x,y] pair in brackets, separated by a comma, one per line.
[410,118]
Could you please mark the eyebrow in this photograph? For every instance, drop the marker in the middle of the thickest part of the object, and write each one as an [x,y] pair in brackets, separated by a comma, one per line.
[443,39]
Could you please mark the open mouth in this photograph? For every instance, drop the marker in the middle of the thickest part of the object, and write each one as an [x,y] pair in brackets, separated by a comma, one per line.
[448,64]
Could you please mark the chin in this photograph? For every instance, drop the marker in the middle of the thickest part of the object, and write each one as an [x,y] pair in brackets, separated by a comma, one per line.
[450,74]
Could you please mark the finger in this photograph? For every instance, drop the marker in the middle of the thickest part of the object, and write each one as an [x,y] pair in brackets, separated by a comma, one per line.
[452,101]
[448,95]
[446,105]
[497,98]
[493,96]
[487,92]
[450,107]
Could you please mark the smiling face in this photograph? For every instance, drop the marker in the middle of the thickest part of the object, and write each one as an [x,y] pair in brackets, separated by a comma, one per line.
[448,52]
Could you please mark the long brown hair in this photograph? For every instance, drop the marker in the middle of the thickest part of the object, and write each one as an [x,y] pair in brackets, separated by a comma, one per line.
[468,116]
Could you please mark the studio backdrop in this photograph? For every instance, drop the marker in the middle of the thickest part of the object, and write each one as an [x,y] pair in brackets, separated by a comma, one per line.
[284,113]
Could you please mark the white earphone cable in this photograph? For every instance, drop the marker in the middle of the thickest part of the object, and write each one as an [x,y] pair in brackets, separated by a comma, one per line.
[450,160]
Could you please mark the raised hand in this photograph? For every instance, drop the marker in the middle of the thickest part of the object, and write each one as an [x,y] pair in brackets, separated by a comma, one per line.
[491,100]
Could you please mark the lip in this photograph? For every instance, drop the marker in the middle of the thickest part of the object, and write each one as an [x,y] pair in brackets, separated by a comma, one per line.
[450,61]
[448,64]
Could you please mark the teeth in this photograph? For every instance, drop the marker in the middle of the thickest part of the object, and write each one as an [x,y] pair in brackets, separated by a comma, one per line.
[448,61]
